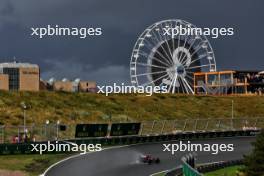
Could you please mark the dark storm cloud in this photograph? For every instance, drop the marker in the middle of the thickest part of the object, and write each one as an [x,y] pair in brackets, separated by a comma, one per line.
[106,58]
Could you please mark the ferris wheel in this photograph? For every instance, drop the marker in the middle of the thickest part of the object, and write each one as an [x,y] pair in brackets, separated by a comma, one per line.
[170,60]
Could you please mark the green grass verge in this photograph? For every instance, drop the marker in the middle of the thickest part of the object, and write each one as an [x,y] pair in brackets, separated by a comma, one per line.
[31,165]
[229,171]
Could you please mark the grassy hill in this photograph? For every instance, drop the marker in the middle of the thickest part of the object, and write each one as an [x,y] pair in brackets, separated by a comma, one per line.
[85,107]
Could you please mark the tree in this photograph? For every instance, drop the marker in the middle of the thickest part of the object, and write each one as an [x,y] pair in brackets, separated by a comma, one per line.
[254,163]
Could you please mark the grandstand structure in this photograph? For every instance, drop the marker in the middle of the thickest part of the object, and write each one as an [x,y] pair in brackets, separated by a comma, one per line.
[229,83]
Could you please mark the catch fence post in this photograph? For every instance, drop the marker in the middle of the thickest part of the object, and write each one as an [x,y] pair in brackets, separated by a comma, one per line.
[256,123]
[152,127]
[195,125]
[174,125]
[18,135]
[164,122]
[207,124]
[219,123]
[141,130]
[185,124]
[3,134]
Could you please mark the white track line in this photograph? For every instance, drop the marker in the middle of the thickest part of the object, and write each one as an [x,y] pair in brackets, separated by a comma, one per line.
[159,172]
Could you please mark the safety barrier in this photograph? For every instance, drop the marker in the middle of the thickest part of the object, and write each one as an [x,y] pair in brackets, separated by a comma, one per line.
[188,167]
[25,148]
[218,165]
[54,131]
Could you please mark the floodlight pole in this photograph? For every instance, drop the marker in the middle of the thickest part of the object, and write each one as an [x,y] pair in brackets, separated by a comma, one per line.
[24,107]
[58,123]
[232,122]
[46,126]
[24,120]
[2,128]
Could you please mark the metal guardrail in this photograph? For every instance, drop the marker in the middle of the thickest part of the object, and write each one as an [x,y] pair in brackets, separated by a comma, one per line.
[52,131]
[188,168]
[25,148]
[218,165]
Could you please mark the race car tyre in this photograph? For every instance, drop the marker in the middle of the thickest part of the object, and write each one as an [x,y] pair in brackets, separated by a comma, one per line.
[157,161]
[149,161]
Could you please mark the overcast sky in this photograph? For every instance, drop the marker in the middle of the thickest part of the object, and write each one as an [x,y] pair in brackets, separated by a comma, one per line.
[105,59]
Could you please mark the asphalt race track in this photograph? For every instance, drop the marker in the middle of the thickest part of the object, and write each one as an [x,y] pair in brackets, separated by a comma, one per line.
[124,161]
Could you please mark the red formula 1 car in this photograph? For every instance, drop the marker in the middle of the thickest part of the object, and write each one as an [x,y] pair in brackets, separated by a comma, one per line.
[149,159]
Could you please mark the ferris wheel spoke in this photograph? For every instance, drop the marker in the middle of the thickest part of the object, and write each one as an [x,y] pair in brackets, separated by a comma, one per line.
[175,82]
[145,55]
[172,38]
[152,73]
[189,72]
[153,81]
[197,49]
[191,45]
[190,77]
[152,45]
[179,38]
[184,88]
[199,58]
[160,41]
[166,40]
[185,85]
[149,45]
[199,66]
[147,41]
[161,55]
[178,43]
[154,58]
[184,60]
[161,37]
[191,82]
[188,85]
[150,65]
[171,83]
[180,58]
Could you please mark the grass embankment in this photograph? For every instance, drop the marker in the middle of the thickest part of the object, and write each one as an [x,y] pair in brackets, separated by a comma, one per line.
[229,171]
[27,165]
[83,107]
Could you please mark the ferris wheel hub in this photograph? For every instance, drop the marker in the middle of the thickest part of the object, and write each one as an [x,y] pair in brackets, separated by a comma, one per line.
[176,70]
[180,70]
